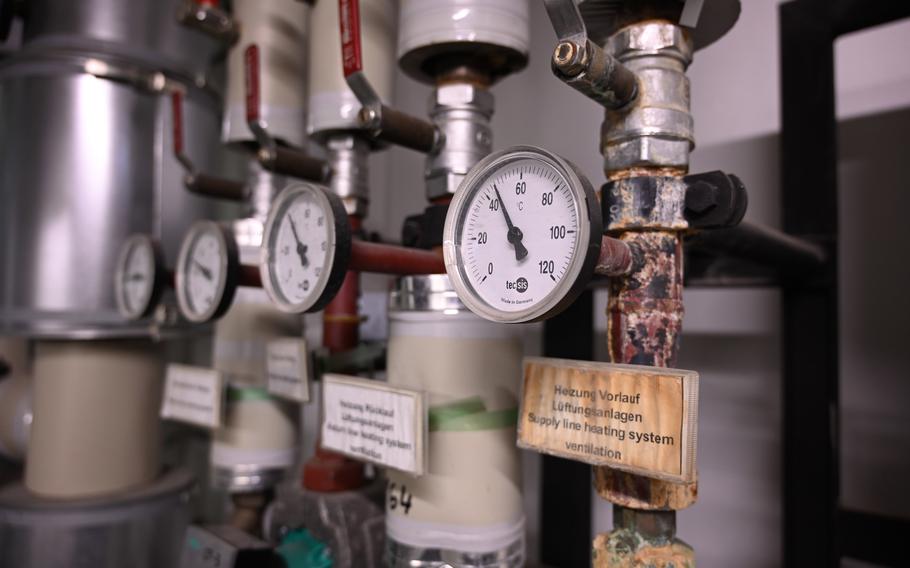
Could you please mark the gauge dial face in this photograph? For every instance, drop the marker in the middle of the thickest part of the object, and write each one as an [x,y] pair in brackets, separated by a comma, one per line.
[138,278]
[518,236]
[303,257]
[206,272]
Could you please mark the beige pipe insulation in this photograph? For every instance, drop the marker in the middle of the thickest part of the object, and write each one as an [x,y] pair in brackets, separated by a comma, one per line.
[96,425]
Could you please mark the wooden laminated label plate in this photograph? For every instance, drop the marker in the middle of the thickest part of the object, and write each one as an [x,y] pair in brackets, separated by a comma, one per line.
[629,417]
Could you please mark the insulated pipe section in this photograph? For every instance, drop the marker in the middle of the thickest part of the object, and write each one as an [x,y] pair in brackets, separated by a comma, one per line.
[256,445]
[96,425]
[280,31]
[273,156]
[583,65]
[466,510]
[383,123]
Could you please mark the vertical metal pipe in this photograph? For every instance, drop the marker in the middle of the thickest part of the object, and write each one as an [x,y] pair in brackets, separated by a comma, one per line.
[651,137]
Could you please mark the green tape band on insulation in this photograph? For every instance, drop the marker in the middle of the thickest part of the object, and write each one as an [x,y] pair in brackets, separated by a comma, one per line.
[470,415]
[236,394]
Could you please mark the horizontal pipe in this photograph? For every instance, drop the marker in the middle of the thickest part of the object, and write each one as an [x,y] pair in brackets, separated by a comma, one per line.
[762,245]
[249,276]
[616,258]
[391,259]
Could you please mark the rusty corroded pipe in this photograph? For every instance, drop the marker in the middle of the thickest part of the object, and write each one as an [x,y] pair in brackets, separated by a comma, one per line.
[391,259]
[646,308]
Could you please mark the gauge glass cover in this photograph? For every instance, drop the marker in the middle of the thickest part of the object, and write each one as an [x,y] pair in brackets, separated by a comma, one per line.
[521,235]
[303,259]
[206,262]
[137,277]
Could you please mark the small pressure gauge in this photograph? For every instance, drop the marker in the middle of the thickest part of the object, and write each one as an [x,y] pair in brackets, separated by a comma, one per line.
[208,272]
[140,277]
[306,248]
[522,235]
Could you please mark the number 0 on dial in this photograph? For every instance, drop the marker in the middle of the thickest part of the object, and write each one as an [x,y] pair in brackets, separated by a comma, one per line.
[522,235]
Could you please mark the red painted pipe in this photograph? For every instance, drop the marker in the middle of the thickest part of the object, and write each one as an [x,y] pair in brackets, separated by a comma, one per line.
[391,259]
[327,471]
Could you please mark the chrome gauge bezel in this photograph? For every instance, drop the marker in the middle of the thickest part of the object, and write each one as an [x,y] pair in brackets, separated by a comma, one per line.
[584,254]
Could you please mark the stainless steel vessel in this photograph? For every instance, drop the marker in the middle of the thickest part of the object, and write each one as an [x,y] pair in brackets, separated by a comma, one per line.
[141,529]
[86,157]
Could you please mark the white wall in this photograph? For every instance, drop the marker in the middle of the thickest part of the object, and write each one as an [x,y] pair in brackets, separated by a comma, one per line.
[732,336]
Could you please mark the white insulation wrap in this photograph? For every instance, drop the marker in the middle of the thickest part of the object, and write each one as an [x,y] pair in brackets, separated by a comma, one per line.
[279,28]
[332,105]
[470,499]
[500,29]
[96,426]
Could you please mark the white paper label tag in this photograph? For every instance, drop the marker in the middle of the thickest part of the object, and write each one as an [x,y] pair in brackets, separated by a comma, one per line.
[374,422]
[288,368]
[194,395]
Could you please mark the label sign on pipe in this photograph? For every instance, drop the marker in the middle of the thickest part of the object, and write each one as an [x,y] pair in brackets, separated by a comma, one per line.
[288,368]
[371,421]
[194,395]
[629,417]
[349,21]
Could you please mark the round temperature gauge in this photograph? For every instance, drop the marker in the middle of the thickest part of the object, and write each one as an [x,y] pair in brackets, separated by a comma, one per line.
[522,235]
[306,248]
[208,271]
[140,277]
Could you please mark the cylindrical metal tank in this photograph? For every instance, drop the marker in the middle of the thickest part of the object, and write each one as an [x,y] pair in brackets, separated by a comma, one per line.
[142,31]
[140,529]
[466,510]
[91,159]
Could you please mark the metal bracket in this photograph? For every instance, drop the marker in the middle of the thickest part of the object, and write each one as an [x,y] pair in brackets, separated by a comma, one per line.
[582,64]
[383,123]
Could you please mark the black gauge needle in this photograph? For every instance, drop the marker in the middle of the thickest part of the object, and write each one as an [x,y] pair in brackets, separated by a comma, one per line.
[205,271]
[136,278]
[301,248]
[514,235]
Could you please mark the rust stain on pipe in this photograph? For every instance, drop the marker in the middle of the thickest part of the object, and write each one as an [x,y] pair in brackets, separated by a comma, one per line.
[645,310]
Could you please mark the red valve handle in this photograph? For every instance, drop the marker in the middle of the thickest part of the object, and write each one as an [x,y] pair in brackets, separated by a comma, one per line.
[251,74]
[349,20]
[177,115]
